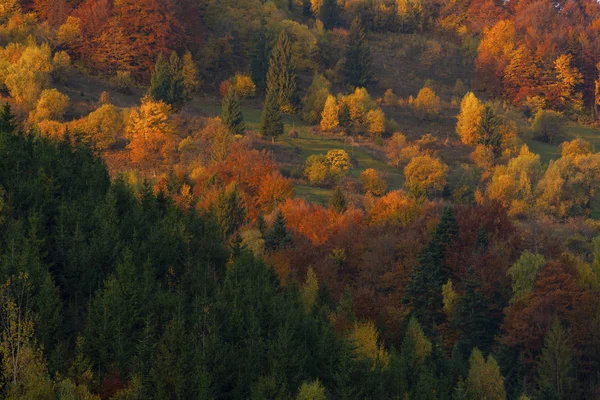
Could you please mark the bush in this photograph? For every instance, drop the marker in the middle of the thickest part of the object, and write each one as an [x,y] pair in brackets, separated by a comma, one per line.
[548,126]
[244,86]
[372,182]
[427,103]
[123,82]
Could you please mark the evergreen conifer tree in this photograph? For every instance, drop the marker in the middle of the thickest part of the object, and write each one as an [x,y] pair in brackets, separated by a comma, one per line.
[489,129]
[229,210]
[160,82]
[471,317]
[167,83]
[7,120]
[338,201]
[278,237]
[281,78]
[330,12]
[232,113]
[260,59]
[357,68]
[271,124]
[424,291]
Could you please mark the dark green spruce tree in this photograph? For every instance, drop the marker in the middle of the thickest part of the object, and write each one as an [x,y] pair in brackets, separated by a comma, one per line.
[160,82]
[424,291]
[489,130]
[271,124]
[281,78]
[472,319]
[279,237]
[260,59]
[330,13]
[357,68]
[167,83]
[231,113]
[7,120]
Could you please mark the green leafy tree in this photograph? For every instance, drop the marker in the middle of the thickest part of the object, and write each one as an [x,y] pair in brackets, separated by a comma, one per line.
[271,124]
[357,68]
[338,201]
[523,274]
[315,98]
[312,391]
[281,78]
[278,237]
[484,380]
[232,113]
[424,291]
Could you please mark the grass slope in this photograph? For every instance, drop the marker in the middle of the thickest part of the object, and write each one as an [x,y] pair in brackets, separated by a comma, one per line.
[308,144]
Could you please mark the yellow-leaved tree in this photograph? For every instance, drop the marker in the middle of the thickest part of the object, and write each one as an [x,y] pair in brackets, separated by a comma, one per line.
[425,174]
[50,106]
[469,118]
[365,339]
[102,126]
[29,76]
[329,118]
[512,184]
[150,134]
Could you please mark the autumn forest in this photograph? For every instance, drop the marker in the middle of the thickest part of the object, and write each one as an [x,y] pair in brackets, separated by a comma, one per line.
[299,199]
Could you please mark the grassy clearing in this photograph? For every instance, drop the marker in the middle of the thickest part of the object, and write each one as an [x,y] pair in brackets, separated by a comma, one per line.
[308,144]
[549,152]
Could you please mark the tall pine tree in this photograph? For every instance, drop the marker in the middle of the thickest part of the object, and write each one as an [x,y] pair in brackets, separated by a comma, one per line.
[279,236]
[424,291]
[281,78]
[472,319]
[330,12]
[271,124]
[231,113]
[160,83]
[260,59]
[357,68]
[167,83]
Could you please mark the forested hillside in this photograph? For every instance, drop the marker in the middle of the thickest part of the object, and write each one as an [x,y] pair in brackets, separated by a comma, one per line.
[299,199]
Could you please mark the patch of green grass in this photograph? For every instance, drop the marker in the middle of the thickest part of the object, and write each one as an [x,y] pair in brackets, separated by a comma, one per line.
[313,194]
[550,152]
[308,144]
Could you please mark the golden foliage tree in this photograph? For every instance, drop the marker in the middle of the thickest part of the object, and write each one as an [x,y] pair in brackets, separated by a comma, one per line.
[376,122]
[372,182]
[469,118]
[513,185]
[26,78]
[102,126]
[150,134]
[365,339]
[484,380]
[50,106]
[329,118]
[425,173]
[427,103]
